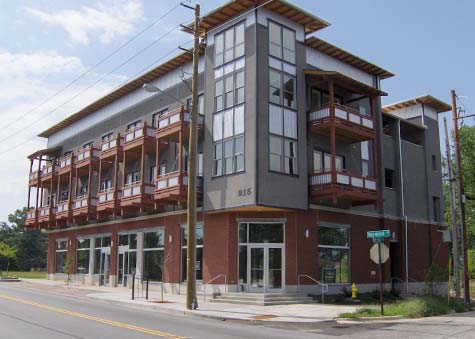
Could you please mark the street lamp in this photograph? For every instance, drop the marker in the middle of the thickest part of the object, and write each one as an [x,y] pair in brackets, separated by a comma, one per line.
[154,89]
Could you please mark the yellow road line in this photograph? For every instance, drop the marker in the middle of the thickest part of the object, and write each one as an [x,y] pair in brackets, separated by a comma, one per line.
[92,318]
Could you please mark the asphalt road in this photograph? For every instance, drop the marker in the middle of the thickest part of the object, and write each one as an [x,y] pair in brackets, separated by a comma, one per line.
[25,313]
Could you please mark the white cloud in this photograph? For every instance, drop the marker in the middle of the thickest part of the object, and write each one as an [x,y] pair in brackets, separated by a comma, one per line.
[106,21]
[26,81]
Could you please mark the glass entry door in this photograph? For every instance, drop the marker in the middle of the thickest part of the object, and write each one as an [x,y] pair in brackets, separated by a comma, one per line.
[265,268]
[126,265]
[104,270]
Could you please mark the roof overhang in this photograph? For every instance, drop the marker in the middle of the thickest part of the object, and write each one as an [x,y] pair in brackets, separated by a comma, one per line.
[346,57]
[405,121]
[131,86]
[439,105]
[234,8]
[345,82]
[46,151]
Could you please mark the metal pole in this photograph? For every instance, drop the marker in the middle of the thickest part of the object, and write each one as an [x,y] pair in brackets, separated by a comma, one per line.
[146,290]
[461,197]
[380,278]
[133,286]
[455,247]
[191,301]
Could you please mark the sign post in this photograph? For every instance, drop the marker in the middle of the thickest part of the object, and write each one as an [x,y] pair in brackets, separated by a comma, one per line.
[378,238]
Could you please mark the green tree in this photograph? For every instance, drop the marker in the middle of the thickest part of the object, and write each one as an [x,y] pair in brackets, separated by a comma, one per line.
[7,252]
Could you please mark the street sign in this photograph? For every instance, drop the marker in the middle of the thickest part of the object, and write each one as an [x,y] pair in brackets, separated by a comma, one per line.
[378,234]
[374,255]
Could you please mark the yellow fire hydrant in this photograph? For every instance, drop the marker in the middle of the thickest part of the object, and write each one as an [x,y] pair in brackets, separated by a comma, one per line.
[354,290]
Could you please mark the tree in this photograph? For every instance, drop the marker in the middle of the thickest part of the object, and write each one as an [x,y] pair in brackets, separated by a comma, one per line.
[7,252]
[31,245]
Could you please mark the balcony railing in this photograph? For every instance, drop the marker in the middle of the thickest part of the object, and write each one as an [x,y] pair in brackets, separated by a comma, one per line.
[357,126]
[45,212]
[33,176]
[66,162]
[138,132]
[343,178]
[31,214]
[136,188]
[84,201]
[63,206]
[109,195]
[86,154]
[111,144]
[49,170]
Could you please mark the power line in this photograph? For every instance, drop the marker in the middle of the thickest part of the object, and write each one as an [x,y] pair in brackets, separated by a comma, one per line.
[122,84]
[18,118]
[95,83]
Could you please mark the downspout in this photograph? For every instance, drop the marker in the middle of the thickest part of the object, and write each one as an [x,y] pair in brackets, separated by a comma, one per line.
[403,207]
[256,107]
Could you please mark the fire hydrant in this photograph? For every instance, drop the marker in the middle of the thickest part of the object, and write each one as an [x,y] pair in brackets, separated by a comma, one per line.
[354,290]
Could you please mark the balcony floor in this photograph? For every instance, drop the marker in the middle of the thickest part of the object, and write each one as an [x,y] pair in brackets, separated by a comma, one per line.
[334,192]
[344,130]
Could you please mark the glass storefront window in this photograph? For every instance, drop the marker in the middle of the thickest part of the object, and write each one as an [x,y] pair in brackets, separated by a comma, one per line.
[60,256]
[199,252]
[153,255]
[83,253]
[266,233]
[334,254]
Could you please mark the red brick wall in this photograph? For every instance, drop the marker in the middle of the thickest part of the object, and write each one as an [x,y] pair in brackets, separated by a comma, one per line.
[220,254]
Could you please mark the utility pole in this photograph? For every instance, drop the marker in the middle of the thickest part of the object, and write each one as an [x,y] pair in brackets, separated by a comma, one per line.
[461,197]
[191,300]
[455,243]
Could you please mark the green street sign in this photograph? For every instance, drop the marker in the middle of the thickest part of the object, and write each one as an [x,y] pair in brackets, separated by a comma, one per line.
[379,234]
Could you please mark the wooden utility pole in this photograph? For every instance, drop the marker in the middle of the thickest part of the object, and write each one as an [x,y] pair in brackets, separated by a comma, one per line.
[191,300]
[461,197]
[455,243]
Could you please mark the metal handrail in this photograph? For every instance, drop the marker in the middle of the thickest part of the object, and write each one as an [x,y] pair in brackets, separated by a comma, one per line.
[324,286]
[213,279]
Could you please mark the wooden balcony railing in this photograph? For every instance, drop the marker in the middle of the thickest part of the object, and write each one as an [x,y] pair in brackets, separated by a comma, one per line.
[337,184]
[109,195]
[49,170]
[65,163]
[84,201]
[174,187]
[31,217]
[63,208]
[85,156]
[33,178]
[356,125]
[174,121]
[343,178]
[138,132]
[111,147]
[137,188]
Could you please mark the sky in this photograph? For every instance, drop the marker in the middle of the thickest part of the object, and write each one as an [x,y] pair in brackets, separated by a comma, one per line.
[45,45]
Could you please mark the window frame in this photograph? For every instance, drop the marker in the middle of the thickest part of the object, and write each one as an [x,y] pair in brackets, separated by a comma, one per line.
[347,248]
[281,40]
[222,35]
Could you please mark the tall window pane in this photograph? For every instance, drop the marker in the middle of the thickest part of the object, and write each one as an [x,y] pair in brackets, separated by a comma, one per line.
[228,156]
[288,37]
[276,122]
[275,38]
[275,87]
[289,91]
[275,148]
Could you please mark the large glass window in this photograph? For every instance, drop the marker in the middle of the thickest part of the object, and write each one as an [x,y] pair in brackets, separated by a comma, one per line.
[281,42]
[334,254]
[282,140]
[153,254]
[229,45]
[365,158]
[60,257]
[83,253]
[228,137]
[322,161]
[282,89]
[101,250]
[199,252]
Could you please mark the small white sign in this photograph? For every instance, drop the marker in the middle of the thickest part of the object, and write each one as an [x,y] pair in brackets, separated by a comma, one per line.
[374,255]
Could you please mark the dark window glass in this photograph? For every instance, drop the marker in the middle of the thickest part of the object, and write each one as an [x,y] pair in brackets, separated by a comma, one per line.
[389,178]
[333,236]
[266,233]
[243,264]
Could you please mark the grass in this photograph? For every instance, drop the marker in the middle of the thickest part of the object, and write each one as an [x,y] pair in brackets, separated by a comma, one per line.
[26,275]
[425,306]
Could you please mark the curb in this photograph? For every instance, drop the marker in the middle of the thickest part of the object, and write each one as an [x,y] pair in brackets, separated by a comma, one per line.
[372,319]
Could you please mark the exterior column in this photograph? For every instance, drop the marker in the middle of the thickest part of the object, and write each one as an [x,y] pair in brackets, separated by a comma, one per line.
[332,133]
[123,175]
[89,181]
[180,153]
[116,167]
[113,260]
[29,187]
[38,185]
[139,262]
[70,188]
[142,175]
[50,207]
[100,175]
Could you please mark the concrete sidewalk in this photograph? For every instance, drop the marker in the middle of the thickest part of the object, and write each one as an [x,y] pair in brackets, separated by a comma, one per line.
[176,304]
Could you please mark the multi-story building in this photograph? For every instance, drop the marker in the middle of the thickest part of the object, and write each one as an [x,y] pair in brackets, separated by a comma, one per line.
[297,161]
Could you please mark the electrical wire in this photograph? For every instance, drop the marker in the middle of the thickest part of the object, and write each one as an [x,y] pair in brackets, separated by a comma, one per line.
[90,69]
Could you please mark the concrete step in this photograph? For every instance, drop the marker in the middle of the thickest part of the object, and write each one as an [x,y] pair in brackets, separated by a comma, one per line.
[264,298]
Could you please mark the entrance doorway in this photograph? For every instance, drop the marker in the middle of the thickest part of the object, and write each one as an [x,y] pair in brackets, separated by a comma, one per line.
[126,258]
[265,263]
[104,270]
[261,257]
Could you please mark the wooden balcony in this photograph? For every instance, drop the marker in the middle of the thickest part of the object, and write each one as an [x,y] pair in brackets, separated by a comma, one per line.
[31,218]
[86,157]
[33,179]
[112,147]
[64,211]
[84,207]
[172,123]
[137,196]
[46,216]
[142,135]
[109,202]
[65,164]
[49,172]
[335,185]
[349,124]
[172,188]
